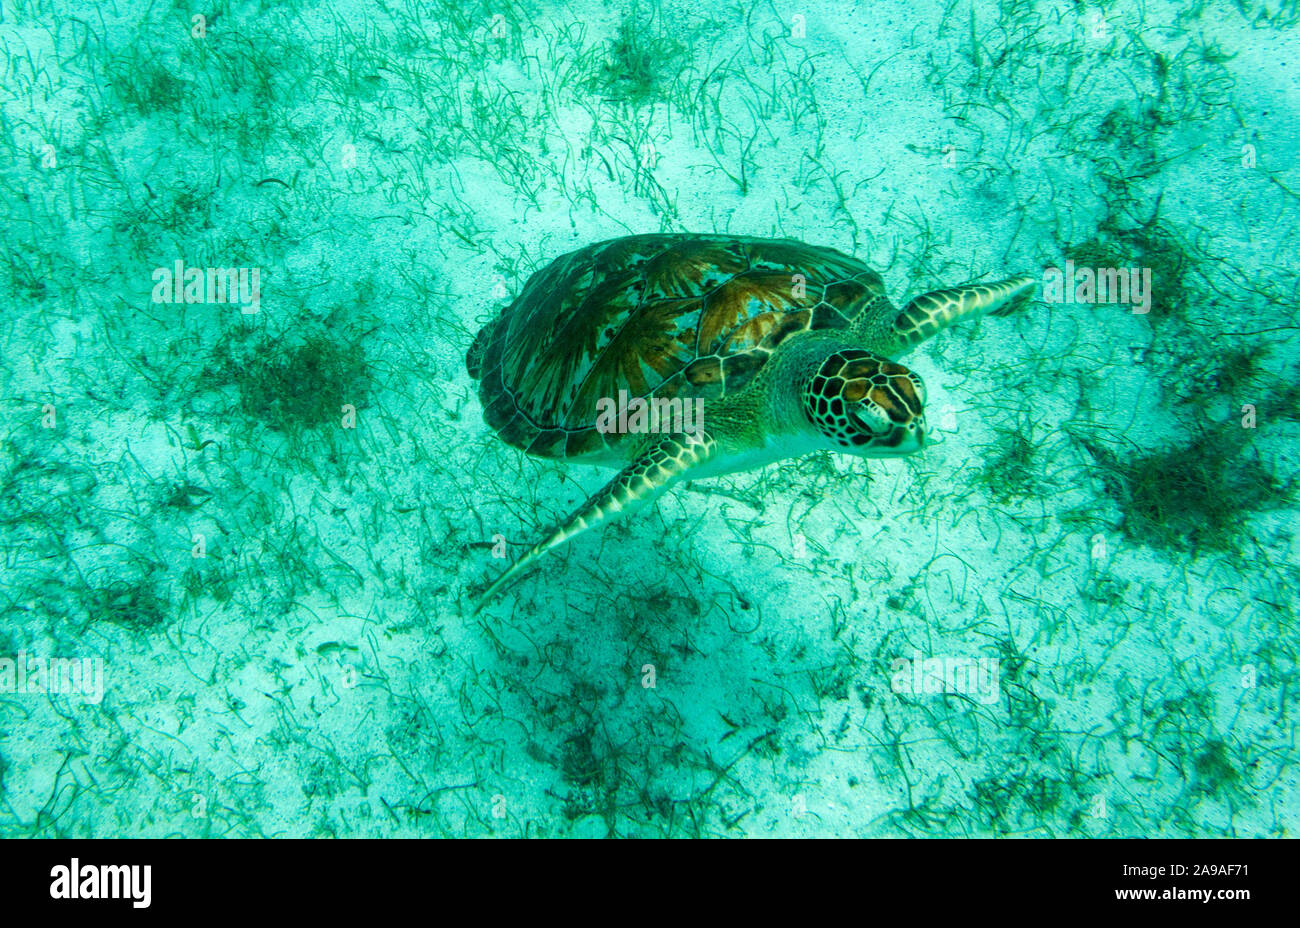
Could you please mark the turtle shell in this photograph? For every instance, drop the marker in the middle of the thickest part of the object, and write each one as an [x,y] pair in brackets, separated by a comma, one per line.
[663,315]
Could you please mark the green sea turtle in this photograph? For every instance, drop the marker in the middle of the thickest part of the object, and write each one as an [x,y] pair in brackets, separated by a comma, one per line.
[745,351]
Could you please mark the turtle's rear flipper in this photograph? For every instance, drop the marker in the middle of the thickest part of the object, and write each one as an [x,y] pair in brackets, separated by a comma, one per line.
[640,482]
[934,311]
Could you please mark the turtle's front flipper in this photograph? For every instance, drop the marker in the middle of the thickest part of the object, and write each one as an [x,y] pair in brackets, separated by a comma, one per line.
[658,468]
[931,312]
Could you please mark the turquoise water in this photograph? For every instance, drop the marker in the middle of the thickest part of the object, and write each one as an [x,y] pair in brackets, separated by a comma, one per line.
[245,517]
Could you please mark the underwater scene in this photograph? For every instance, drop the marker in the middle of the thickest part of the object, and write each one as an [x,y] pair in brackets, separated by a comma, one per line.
[644,418]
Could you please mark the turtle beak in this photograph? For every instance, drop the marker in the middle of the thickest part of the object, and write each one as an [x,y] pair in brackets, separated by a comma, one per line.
[903,439]
[915,438]
[888,439]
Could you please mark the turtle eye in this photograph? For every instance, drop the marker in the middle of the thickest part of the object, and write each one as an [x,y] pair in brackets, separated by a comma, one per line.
[870,418]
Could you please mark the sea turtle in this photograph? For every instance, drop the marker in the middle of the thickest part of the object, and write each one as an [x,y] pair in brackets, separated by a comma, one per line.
[779,347]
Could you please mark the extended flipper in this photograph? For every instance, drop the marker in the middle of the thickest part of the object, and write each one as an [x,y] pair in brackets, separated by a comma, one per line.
[934,311]
[659,467]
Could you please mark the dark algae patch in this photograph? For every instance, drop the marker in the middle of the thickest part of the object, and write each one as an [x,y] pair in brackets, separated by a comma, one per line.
[1009,473]
[637,60]
[1193,494]
[136,606]
[297,386]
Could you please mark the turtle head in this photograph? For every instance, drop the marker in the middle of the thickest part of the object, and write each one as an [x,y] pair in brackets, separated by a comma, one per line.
[866,405]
